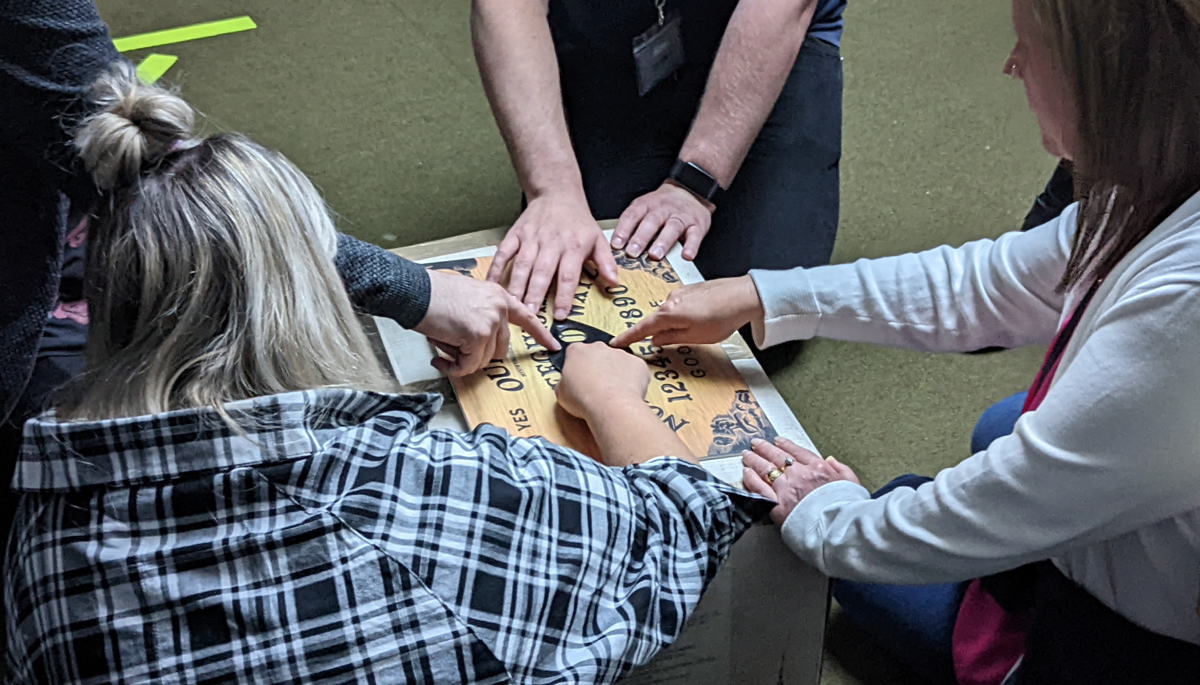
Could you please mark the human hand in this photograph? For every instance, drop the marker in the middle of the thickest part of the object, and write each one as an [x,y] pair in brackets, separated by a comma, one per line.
[670,212]
[468,320]
[555,234]
[696,314]
[805,472]
[596,376]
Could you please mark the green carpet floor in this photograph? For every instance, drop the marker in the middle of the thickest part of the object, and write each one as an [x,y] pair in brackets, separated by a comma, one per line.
[379,101]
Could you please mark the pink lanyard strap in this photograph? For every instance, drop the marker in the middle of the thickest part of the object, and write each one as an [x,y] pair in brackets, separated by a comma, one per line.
[1041,384]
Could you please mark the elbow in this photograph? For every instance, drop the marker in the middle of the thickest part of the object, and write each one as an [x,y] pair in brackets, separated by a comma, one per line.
[481,10]
[802,12]
[484,12]
[485,9]
[800,17]
[496,18]
[786,22]
[797,16]
[784,15]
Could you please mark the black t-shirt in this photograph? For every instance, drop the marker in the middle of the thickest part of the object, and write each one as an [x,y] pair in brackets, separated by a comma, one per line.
[603,30]
[593,40]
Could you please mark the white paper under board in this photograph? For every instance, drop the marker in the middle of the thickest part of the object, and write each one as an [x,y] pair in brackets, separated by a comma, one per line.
[410,353]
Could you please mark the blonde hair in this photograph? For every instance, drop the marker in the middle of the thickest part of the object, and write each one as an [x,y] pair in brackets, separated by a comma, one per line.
[210,270]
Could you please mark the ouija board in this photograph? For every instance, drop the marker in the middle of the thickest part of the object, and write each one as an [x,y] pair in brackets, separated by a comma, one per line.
[695,390]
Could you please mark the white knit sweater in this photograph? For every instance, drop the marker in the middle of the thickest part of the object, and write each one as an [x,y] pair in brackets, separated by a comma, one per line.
[1103,478]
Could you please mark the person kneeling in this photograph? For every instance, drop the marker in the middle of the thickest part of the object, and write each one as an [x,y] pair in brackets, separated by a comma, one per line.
[231,492]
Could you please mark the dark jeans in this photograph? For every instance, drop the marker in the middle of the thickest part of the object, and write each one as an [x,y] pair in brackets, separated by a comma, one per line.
[915,623]
[1074,637]
[781,210]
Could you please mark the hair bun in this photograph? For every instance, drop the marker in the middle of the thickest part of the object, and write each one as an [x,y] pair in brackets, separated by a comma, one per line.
[133,125]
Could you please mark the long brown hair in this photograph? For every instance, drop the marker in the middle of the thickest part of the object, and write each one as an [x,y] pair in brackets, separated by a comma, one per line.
[1134,70]
[210,273]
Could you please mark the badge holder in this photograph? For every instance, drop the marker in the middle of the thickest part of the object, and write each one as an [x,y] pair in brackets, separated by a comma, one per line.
[658,52]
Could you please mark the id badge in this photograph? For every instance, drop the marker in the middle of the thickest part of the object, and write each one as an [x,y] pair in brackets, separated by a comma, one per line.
[658,52]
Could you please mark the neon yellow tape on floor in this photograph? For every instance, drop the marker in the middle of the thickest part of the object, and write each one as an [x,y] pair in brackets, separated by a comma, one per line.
[154,66]
[184,33]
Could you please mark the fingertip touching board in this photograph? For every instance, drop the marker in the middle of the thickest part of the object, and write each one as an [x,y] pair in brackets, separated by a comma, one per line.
[694,389]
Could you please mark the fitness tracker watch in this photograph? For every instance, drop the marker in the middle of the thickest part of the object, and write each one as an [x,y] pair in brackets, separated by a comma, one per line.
[696,181]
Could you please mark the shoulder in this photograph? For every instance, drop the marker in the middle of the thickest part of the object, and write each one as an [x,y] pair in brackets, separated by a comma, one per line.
[1166,259]
[56,47]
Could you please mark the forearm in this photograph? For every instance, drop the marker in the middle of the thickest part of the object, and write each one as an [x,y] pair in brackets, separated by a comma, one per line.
[756,55]
[520,76]
[1109,450]
[631,433]
[381,283]
[984,293]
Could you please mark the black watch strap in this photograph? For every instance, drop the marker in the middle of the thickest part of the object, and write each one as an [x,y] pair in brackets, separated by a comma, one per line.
[696,181]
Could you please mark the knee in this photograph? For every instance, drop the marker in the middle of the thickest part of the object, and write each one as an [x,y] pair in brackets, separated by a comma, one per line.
[908,480]
[997,421]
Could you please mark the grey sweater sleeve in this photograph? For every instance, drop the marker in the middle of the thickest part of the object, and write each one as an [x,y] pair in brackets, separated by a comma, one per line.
[381,283]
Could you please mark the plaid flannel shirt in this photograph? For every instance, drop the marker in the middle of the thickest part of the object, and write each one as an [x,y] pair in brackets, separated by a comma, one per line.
[340,540]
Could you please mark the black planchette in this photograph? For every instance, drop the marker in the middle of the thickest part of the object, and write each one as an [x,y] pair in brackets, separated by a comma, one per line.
[570,332]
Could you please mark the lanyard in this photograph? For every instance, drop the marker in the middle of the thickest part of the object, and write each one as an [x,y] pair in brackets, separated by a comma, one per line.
[1054,354]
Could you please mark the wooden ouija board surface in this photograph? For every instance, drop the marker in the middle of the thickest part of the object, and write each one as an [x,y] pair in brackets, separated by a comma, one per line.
[696,390]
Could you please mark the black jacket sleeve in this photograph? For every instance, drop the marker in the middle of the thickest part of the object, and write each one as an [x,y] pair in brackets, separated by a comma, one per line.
[50,53]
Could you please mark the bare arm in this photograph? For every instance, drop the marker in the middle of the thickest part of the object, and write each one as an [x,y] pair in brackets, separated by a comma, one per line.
[520,76]
[607,388]
[631,433]
[556,233]
[756,55]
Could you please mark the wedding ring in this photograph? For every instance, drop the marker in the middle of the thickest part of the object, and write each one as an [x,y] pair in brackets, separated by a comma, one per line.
[772,475]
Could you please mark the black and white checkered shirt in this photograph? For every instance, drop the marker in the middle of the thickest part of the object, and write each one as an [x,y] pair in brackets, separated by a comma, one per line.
[341,541]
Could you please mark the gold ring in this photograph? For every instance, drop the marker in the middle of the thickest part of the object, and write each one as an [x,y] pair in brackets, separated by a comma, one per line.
[772,475]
